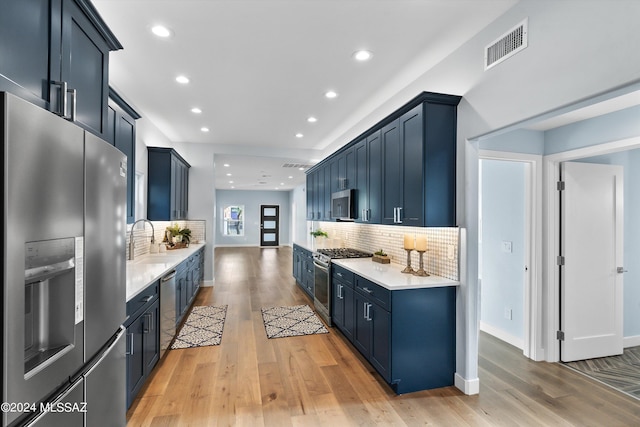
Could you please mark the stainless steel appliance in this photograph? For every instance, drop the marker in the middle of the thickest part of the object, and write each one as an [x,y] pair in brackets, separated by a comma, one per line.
[342,205]
[64,296]
[167,310]
[322,277]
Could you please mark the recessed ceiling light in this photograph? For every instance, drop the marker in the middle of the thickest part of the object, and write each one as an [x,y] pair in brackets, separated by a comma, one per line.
[312,120]
[299,135]
[196,110]
[230,182]
[362,55]
[182,79]
[300,169]
[290,177]
[282,183]
[204,129]
[226,165]
[161,31]
[330,94]
[228,174]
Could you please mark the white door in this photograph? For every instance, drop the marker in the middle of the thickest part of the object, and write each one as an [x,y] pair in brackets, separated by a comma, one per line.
[592,246]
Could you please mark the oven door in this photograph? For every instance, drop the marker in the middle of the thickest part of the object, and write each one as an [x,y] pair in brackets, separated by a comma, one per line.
[322,292]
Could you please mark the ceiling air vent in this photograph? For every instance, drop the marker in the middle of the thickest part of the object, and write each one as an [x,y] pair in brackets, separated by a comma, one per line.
[506,45]
[296,166]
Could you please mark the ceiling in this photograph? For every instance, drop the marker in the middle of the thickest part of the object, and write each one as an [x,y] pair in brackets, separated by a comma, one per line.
[259,69]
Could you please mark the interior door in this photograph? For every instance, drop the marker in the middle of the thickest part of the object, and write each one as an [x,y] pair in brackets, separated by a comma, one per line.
[592,245]
[269,225]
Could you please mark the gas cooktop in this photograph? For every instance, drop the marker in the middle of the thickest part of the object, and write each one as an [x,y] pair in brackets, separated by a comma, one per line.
[337,253]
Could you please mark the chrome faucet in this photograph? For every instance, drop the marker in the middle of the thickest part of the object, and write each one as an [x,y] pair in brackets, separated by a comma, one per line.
[132,244]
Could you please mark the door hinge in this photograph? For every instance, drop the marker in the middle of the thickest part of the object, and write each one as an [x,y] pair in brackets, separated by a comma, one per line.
[560,260]
[560,335]
[560,185]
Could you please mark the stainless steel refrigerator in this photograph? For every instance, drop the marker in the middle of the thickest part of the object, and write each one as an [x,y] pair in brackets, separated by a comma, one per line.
[63,296]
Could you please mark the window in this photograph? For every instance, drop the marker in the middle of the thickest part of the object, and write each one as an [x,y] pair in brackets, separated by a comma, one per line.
[233,221]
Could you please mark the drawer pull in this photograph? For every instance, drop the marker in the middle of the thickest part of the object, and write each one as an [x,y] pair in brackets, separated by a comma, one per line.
[367,290]
[148,298]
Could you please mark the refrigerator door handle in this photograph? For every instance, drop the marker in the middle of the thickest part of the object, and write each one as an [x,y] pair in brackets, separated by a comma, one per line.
[121,331]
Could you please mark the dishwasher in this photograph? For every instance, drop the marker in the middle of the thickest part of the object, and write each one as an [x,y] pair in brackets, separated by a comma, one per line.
[167,310]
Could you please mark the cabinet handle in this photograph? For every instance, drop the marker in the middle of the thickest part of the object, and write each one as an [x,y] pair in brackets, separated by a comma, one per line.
[147,326]
[399,221]
[148,298]
[62,112]
[340,291]
[130,352]
[364,305]
[74,102]
[339,274]
[367,290]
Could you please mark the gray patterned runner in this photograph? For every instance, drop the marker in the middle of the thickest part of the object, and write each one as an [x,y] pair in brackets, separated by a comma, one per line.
[291,321]
[203,327]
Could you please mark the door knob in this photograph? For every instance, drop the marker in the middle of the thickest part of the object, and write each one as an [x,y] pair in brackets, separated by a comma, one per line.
[621,270]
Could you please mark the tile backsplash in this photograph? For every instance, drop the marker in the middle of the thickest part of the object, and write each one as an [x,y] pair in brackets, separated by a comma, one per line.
[142,235]
[441,258]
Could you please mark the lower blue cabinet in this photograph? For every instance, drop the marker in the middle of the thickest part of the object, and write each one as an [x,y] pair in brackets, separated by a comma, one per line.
[143,339]
[407,335]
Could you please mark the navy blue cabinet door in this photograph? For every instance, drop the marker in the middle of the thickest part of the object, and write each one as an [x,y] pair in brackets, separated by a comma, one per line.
[374,178]
[350,169]
[380,356]
[30,49]
[392,169]
[326,197]
[85,67]
[360,184]
[311,195]
[126,142]
[362,329]
[151,338]
[348,325]
[412,164]
[135,359]
[337,304]
[168,185]
[440,164]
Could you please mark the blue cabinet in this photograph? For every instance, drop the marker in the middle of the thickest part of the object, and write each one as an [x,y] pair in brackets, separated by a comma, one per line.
[342,295]
[59,52]
[407,335]
[303,270]
[121,132]
[143,333]
[403,169]
[168,185]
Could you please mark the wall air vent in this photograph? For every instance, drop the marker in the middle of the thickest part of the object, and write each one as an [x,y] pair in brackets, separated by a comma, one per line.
[507,45]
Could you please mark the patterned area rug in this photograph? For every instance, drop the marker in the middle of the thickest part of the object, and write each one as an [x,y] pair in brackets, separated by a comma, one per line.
[291,321]
[203,327]
[619,372]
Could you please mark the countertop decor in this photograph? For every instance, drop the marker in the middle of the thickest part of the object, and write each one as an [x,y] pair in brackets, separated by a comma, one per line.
[388,276]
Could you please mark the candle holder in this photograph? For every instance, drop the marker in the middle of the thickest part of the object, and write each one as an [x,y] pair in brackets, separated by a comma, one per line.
[408,268]
[421,271]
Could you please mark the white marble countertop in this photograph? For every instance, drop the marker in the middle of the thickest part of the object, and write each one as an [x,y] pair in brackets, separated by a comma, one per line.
[390,276]
[144,270]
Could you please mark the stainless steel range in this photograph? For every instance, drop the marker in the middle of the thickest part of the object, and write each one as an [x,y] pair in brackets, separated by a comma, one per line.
[322,276]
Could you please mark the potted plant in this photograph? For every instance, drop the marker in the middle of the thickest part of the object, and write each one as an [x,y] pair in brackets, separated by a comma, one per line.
[318,233]
[180,237]
[381,257]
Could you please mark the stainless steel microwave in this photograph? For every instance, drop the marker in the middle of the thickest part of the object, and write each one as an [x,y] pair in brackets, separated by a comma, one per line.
[342,205]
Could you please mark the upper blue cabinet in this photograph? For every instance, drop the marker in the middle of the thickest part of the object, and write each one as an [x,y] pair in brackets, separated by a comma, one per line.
[55,54]
[121,132]
[403,169]
[168,185]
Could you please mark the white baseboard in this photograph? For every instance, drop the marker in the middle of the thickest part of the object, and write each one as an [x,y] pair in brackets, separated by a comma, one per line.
[467,386]
[631,341]
[207,283]
[502,335]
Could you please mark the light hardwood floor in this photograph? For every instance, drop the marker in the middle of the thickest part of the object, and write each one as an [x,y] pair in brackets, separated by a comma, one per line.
[321,380]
